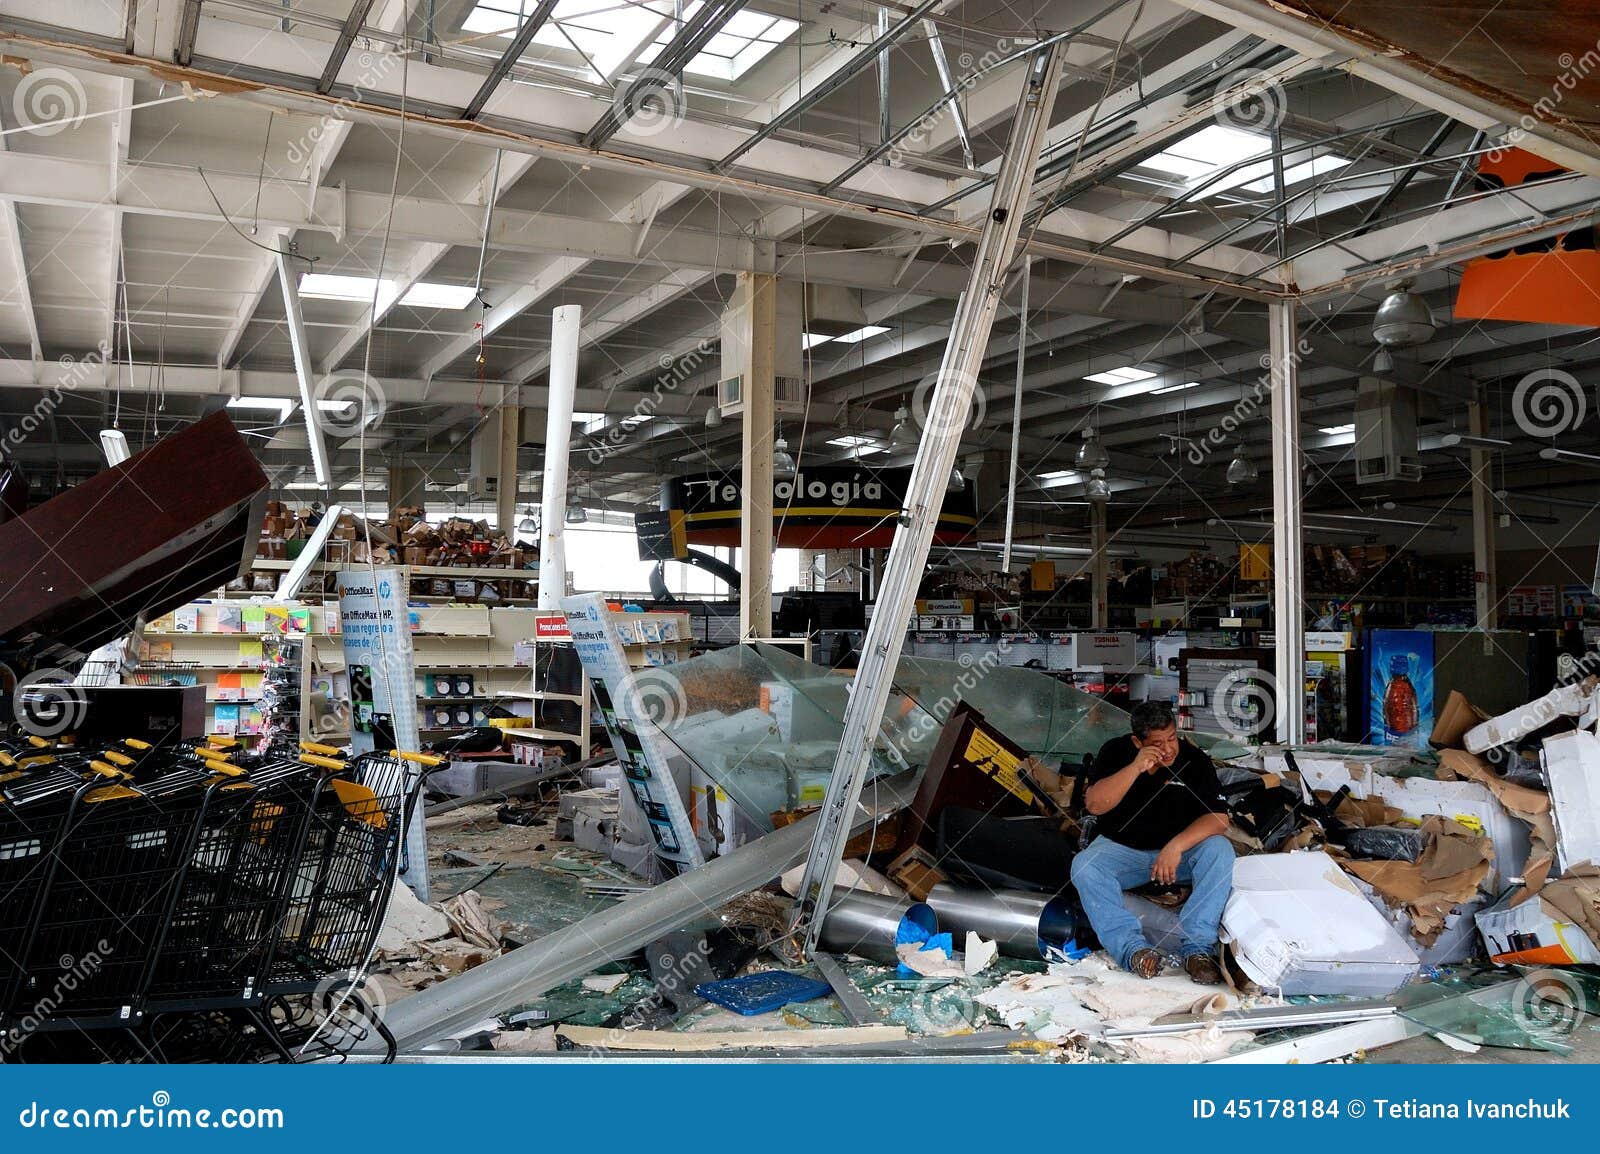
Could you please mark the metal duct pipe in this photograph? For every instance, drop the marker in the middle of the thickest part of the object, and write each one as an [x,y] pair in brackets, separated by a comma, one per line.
[1023,925]
[565,322]
[868,925]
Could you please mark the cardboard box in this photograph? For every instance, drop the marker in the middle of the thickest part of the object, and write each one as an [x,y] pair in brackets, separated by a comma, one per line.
[1572,771]
[1298,925]
[1526,929]
[915,872]
[1363,768]
[1457,716]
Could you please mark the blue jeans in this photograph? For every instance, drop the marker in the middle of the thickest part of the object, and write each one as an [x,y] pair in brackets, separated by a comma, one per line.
[1103,871]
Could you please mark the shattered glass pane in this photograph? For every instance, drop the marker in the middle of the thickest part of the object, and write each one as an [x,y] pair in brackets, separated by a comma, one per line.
[766,725]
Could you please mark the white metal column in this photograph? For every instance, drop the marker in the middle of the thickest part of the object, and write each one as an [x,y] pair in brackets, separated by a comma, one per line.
[1288,574]
[304,374]
[1016,415]
[564,324]
[1483,570]
[1100,573]
[948,412]
[756,297]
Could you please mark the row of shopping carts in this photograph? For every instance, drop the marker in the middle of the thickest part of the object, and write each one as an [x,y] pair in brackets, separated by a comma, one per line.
[194,902]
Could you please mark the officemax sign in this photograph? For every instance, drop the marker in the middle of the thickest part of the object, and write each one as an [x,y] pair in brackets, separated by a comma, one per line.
[821,507]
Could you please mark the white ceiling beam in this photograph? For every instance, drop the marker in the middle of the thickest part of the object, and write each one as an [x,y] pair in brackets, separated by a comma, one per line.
[1319,40]
[121,131]
[12,233]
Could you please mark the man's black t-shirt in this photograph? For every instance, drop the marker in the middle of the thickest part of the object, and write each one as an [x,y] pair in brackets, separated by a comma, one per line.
[1158,806]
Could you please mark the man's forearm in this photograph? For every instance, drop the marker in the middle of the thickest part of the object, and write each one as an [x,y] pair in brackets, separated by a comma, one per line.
[1104,794]
[1198,830]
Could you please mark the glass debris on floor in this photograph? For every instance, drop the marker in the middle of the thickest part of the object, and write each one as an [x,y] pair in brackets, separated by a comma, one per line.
[1442,897]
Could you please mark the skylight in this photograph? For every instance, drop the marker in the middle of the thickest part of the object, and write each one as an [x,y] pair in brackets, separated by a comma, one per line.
[851,441]
[334,287]
[422,295]
[743,42]
[1126,375]
[1174,388]
[861,334]
[1202,153]
[612,34]
[1335,430]
[426,295]
[280,405]
[812,340]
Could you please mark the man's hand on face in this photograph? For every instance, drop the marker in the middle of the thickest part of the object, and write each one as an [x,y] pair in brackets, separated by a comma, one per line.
[1165,869]
[1148,759]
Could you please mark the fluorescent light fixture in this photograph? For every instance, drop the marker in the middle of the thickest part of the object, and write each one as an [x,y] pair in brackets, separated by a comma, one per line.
[1126,375]
[861,334]
[1335,430]
[1577,458]
[1059,475]
[812,340]
[427,295]
[852,441]
[587,418]
[280,405]
[337,287]
[1165,389]
[1468,441]
[1202,153]
[302,485]
[328,405]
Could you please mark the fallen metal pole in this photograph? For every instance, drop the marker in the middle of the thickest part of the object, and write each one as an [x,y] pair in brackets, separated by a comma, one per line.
[868,925]
[1023,925]
[616,932]
[947,414]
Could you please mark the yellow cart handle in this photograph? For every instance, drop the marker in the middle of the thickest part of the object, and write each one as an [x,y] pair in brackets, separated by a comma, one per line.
[116,758]
[419,758]
[135,743]
[106,769]
[321,762]
[318,747]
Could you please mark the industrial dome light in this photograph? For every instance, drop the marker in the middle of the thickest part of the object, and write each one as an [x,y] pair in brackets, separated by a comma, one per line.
[782,461]
[1097,490]
[1092,454]
[1403,319]
[1241,470]
[714,417]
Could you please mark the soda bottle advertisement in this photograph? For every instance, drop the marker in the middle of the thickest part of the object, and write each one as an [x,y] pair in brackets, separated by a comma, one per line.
[1401,694]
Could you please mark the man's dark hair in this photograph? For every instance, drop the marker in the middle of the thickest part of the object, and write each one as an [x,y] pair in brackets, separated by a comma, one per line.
[1149,716]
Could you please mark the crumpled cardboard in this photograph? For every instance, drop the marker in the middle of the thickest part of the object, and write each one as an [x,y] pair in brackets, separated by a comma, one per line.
[1522,802]
[1451,867]
[1457,717]
[1557,924]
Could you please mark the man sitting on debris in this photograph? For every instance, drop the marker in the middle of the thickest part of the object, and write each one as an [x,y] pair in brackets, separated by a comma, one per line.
[1161,819]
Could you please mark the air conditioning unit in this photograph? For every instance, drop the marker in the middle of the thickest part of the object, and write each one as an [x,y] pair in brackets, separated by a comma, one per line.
[789,389]
[1386,433]
[483,472]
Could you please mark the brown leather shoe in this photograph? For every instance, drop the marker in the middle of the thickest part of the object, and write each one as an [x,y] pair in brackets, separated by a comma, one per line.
[1203,969]
[1145,963]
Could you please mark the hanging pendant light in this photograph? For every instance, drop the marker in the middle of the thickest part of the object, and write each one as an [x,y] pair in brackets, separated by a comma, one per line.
[957,482]
[782,461]
[1092,454]
[1241,470]
[714,416]
[1097,490]
[576,513]
[900,434]
[528,526]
